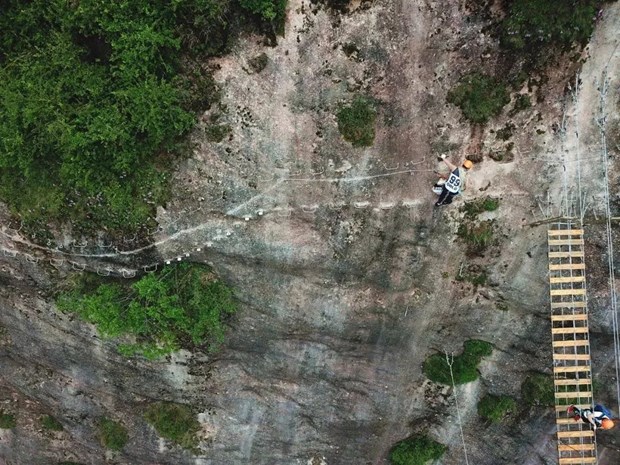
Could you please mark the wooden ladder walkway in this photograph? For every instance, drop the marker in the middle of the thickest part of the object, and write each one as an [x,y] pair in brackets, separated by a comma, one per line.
[572,373]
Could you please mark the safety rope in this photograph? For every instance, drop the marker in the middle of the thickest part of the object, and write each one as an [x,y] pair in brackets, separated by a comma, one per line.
[602,121]
[450,362]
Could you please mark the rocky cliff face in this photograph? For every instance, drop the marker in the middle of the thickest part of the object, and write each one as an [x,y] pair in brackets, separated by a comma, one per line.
[346,275]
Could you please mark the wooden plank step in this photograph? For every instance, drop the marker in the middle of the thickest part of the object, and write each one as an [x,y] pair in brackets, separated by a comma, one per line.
[574,304]
[573,395]
[574,317]
[562,408]
[565,232]
[576,447]
[566,421]
[568,279]
[567,292]
[567,266]
[572,382]
[586,433]
[573,330]
[571,242]
[572,343]
[576,460]
[573,369]
[572,253]
[571,356]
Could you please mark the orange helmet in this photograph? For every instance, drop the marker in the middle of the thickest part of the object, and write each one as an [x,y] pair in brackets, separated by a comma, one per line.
[607,423]
[467,164]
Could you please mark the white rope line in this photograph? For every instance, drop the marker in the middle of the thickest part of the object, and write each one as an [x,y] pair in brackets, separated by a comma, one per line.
[602,121]
[450,362]
[202,226]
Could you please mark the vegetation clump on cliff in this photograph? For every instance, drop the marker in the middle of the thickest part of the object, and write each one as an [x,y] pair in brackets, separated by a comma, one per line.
[531,24]
[537,389]
[479,97]
[7,420]
[113,435]
[496,408]
[174,422]
[95,99]
[416,450]
[464,366]
[356,122]
[183,305]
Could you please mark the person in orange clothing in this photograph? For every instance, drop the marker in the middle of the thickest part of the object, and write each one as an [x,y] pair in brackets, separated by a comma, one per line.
[452,183]
[597,417]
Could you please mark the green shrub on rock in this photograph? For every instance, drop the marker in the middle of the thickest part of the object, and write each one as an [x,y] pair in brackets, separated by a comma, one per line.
[183,305]
[416,450]
[537,389]
[113,435]
[495,408]
[50,423]
[7,420]
[464,366]
[530,24]
[175,422]
[356,122]
[480,97]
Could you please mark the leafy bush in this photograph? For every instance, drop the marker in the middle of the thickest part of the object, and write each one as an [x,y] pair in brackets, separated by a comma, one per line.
[477,206]
[174,422]
[537,389]
[464,366]
[522,102]
[95,99]
[416,450]
[50,423]
[356,122]
[531,24]
[477,236]
[113,435]
[269,10]
[182,305]
[7,420]
[495,408]
[479,97]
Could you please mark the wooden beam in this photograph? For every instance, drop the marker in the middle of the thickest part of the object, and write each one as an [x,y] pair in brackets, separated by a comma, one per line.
[572,253]
[572,343]
[571,356]
[567,266]
[577,317]
[571,242]
[565,232]
[573,330]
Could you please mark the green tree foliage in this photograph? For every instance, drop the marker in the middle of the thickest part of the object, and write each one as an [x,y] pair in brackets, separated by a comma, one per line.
[537,389]
[356,122]
[269,10]
[495,408]
[531,24]
[479,97]
[464,367]
[416,450]
[175,422]
[95,97]
[183,305]
[113,435]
